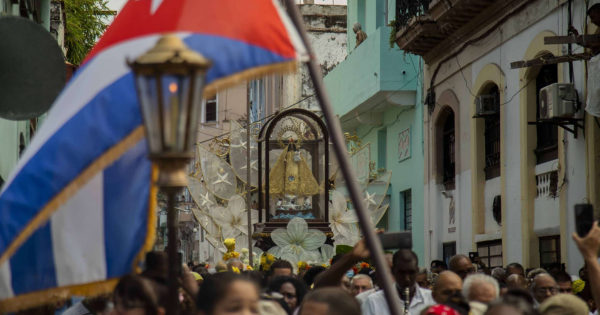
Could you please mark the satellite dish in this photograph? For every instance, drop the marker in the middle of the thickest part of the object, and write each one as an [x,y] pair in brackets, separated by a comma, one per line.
[33,69]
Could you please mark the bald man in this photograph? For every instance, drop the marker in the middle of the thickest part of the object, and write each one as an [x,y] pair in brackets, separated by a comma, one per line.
[462,266]
[516,281]
[446,284]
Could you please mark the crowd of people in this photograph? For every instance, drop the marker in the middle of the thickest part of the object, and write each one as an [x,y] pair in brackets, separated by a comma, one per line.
[460,287]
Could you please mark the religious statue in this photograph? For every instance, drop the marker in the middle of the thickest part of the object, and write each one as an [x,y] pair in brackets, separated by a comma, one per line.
[291,175]
[361,36]
[279,204]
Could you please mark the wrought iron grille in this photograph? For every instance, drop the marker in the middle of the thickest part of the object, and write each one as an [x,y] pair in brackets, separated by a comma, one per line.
[492,141]
[408,210]
[406,9]
[449,149]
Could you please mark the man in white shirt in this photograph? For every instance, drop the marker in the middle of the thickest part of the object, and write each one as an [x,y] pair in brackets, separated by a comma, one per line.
[405,269]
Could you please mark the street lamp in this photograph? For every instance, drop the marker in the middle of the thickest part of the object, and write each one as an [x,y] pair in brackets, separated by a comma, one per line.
[170,80]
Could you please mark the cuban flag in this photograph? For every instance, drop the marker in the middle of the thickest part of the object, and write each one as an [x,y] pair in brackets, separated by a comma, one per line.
[78,211]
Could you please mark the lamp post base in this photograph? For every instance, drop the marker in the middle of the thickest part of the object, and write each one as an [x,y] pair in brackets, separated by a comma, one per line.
[171,180]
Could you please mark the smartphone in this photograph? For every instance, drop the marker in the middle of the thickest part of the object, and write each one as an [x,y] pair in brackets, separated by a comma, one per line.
[396,240]
[584,218]
[473,255]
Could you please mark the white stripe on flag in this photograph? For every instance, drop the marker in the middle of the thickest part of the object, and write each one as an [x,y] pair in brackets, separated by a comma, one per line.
[301,52]
[78,236]
[6,290]
[103,70]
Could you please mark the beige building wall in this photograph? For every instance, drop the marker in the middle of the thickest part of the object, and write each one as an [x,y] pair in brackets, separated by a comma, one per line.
[525,215]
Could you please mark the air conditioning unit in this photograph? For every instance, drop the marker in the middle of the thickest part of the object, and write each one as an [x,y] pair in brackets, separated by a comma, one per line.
[557,100]
[487,105]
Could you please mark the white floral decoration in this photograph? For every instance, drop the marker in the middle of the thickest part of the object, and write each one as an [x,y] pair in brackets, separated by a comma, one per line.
[297,242]
[233,220]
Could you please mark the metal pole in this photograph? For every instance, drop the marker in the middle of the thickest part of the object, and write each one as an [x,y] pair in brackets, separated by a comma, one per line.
[248,185]
[368,230]
[174,263]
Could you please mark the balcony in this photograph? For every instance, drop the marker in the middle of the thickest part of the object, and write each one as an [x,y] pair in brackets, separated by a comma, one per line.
[446,22]
[372,79]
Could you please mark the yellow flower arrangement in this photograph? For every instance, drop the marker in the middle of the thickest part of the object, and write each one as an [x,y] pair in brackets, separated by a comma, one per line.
[230,244]
[249,268]
[235,269]
[270,257]
[324,265]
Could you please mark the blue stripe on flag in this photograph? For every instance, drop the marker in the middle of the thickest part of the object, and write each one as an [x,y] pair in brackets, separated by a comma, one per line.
[32,266]
[97,127]
[126,202]
[230,56]
[105,121]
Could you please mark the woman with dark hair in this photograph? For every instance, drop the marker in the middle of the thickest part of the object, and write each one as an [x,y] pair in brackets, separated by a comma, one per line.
[135,295]
[228,293]
[292,289]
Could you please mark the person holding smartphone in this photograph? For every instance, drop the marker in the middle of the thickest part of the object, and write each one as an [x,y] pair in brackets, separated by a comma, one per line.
[589,247]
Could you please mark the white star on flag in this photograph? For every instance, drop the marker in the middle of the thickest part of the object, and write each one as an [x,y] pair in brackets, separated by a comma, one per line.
[154,6]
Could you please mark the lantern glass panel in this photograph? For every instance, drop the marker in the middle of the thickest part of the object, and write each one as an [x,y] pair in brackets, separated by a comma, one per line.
[148,98]
[175,100]
[196,104]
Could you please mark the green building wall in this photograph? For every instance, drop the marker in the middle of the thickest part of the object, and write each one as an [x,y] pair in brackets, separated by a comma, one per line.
[371,74]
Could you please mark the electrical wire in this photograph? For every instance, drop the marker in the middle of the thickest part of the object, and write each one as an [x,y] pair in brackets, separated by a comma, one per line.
[222,135]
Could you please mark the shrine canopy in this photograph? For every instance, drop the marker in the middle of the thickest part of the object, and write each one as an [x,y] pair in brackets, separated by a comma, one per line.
[294,184]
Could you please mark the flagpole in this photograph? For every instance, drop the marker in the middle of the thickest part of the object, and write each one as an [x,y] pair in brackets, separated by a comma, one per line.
[248,185]
[364,221]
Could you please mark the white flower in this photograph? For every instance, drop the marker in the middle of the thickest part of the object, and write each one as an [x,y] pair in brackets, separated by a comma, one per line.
[342,221]
[296,242]
[233,220]
[245,251]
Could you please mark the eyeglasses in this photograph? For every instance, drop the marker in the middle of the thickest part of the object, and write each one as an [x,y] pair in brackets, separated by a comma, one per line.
[546,290]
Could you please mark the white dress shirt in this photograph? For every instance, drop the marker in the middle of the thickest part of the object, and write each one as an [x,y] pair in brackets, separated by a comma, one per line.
[361,298]
[377,305]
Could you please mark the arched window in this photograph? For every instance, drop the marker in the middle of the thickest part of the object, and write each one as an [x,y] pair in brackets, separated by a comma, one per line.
[449,151]
[547,135]
[492,139]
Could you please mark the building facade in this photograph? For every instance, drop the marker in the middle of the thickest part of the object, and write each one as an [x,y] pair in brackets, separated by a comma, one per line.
[499,179]
[376,91]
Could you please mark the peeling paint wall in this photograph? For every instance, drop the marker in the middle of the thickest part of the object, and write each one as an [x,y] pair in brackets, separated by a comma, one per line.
[326,27]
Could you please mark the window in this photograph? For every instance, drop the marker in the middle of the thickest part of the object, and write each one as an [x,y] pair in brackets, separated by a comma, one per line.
[549,250]
[210,110]
[407,210]
[547,135]
[449,250]
[492,141]
[449,152]
[490,253]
